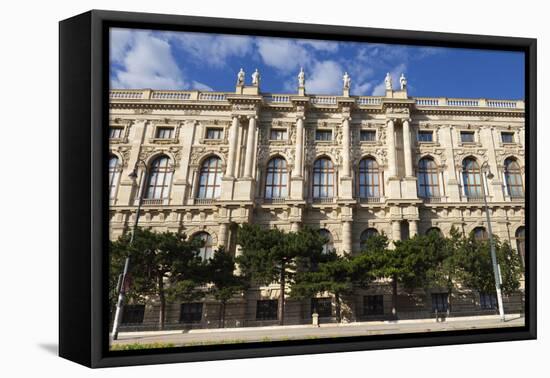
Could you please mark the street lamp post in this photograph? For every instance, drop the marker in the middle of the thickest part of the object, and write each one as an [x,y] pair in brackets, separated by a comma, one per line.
[496,268]
[122,287]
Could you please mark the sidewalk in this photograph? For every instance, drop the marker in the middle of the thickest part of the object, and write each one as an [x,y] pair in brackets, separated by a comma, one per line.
[306,331]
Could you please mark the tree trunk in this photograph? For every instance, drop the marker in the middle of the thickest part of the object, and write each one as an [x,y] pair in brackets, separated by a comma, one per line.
[394,297]
[162,300]
[222,314]
[281,307]
[338,308]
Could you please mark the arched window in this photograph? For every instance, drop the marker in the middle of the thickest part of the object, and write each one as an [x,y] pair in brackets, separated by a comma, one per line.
[480,234]
[329,245]
[160,177]
[206,251]
[276,181]
[369,178]
[520,241]
[428,180]
[365,235]
[512,175]
[471,174]
[434,230]
[323,178]
[114,174]
[210,178]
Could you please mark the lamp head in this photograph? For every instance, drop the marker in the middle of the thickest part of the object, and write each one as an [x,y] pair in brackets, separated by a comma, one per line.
[133,175]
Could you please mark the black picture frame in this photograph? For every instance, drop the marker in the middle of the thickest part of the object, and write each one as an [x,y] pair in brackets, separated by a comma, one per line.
[83,228]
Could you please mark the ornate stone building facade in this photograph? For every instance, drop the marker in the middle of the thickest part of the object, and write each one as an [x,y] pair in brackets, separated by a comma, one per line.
[347,165]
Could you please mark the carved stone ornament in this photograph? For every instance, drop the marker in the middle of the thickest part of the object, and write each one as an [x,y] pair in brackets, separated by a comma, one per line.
[173,152]
[198,153]
[244,107]
[397,110]
[124,153]
[143,111]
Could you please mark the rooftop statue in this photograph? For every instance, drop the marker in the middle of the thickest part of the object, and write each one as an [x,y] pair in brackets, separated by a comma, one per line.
[347,81]
[256,78]
[240,77]
[388,81]
[301,78]
[403,82]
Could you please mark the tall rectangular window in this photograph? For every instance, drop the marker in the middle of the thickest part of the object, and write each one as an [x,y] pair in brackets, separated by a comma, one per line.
[164,133]
[368,136]
[323,307]
[278,134]
[214,133]
[440,302]
[425,136]
[266,309]
[191,312]
[323,135]
[467,137]
[133,314]
[373,305]
[507,137]
[115,132]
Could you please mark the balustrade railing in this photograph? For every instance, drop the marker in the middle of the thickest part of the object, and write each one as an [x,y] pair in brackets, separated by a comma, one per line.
[323,100]
[148,94]
[275,200]
[126,95]
[170,95]
[369,100]
[204,201]
[369,200]
[278,98]
[152,201]
[502,104]
[432,199]
[323,199]
[212,96]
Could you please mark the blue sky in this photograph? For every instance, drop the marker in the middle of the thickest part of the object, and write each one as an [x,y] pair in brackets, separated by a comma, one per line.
[182,60]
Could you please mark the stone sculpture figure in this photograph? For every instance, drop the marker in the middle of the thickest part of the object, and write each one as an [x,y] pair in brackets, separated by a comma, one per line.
[301,78]
[256,78]
[347,81]
[403,82]
[240,77]
[388,81]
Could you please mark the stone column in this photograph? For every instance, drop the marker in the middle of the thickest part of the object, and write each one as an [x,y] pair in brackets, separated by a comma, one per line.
[346,237]
[396,230]
[298,161]
[233,136]
[346,147]
[407,148]
[222,235]
[250,139]
[413,228]
[390,143]
[294,226]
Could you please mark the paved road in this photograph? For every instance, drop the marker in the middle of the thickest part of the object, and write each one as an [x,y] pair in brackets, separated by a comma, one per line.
[197,337]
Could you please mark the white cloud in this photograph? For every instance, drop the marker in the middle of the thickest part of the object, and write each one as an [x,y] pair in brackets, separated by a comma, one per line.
[327,46]
[148,63]
[326,78]
[119,43]
[362,89]
[200,86]
[213,50]
[283,54]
